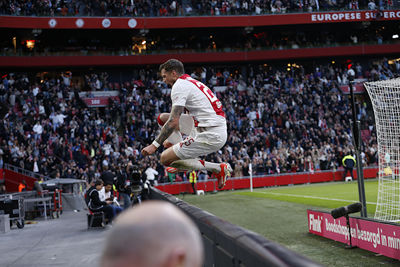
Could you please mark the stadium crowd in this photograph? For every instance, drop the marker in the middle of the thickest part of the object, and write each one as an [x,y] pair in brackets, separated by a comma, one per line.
[279,120]
[178,8]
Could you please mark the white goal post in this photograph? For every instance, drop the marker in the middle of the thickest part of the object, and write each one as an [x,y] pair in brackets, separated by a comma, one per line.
[385,97]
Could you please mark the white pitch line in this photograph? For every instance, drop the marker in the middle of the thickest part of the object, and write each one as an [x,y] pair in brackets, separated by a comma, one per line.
[325,198]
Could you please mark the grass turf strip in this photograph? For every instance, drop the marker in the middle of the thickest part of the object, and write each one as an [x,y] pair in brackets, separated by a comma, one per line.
[328,195]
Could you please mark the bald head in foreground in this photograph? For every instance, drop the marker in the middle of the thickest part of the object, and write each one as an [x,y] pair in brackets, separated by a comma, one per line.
[153,234]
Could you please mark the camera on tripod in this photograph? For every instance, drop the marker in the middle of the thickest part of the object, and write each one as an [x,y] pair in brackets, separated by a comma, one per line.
[139,188]
[135,178]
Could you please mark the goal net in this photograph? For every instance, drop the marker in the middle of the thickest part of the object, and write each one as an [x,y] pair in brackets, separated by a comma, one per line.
[385,97]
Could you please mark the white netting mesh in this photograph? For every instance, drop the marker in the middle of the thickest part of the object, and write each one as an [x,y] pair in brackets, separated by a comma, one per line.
[385,97]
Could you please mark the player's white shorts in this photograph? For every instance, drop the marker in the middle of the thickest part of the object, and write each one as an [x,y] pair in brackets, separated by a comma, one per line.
[186,126]
[201,141]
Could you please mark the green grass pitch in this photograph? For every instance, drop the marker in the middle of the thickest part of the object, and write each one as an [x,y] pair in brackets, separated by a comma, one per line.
[279,214]
[328,195]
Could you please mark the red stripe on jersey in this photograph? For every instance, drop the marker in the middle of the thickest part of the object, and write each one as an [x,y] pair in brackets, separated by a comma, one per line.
[215,103]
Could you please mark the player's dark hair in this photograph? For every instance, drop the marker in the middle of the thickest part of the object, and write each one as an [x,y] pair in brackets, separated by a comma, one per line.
[98,182]
[173,64]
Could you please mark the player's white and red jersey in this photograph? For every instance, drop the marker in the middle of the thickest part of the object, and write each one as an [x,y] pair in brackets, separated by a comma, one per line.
[199,100]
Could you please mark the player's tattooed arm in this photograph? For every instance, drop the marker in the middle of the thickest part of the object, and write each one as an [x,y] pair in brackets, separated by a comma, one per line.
[171,124]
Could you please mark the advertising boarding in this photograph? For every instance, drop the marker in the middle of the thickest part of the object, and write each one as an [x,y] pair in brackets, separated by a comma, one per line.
[379,237]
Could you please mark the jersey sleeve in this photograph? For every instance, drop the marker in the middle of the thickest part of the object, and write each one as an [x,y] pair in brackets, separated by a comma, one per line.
[179,94]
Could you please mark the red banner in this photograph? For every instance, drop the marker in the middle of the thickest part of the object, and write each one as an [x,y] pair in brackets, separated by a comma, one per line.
[192,22]
[378,237]
[355,16]
[358,88]
[101,101]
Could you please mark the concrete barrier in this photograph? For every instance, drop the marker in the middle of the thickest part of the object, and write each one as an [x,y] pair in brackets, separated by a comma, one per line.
[226,244]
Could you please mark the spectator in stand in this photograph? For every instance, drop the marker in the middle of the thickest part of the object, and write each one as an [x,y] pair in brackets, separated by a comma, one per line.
[371,5]
[238,169]
[353,4]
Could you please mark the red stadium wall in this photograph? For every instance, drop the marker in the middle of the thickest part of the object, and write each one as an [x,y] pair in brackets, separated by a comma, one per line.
[13,179]
[192,22]
[265,181]
[46,61]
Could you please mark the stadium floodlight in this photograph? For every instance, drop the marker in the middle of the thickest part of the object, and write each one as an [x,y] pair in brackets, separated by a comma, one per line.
[385,98]
[395,36]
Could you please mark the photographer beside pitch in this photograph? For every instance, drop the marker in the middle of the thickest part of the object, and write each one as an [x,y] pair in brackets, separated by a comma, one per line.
[210,131]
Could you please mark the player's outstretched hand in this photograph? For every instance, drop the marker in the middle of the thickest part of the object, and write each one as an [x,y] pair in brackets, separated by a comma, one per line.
[148,150]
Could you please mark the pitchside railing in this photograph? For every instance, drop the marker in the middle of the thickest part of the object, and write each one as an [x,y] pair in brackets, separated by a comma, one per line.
[25,172]
[226,244]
